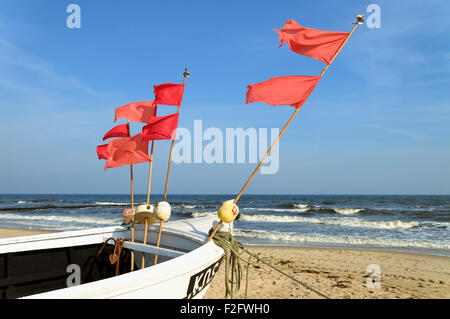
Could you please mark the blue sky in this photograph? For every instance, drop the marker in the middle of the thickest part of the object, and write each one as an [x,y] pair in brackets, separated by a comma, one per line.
[377,123]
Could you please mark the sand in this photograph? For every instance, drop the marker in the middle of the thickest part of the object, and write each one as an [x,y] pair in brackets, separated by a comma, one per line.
[337,273]
[16,232]
[341,273]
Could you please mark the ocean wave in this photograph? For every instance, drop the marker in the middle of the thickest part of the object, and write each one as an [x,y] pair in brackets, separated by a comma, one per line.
[349,222]
[294,205]
[111,204]
[45,207]
[302,238]
[203,214]
[34,208]
[269,209]
[348,211]
[64,219]
[336,210]
[185,206]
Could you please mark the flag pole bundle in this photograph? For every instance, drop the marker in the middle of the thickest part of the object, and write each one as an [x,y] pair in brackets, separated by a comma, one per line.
[161,128]
[290,90]
[128,150]
[165,131]
[124,150]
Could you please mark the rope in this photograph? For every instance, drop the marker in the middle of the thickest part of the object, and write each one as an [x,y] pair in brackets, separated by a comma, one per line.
[114,257]
[289,276]
[233,250]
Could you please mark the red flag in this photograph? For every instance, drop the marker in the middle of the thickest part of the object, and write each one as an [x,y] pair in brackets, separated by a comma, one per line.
[169,93]
[320,45]
[161,128]
[127,151]
[283,90]
[102,151]
[121,130]
[136,111]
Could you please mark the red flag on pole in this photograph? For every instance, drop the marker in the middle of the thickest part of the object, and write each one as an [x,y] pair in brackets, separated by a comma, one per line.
[283,90]
[169,93]
[102,151]
[127,151]
[161,128]
[317,44]
[118,131]
[136,111]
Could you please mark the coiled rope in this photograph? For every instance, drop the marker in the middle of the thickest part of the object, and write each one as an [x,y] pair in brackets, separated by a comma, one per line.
[234,250]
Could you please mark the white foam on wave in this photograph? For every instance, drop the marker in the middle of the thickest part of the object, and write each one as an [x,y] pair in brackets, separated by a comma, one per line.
[348,211]
[281,210]
[111,204]
[302,238]
[188,206]
[301,205]
[61,219]
[350,222]
[203,214]
[22,202]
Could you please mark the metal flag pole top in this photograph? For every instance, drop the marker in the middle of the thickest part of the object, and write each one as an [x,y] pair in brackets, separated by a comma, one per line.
[359,20]
[186,74]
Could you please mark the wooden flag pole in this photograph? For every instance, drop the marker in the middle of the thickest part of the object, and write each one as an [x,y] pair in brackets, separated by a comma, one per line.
[132,205]
[148,201]
[359,20]
[186,74]
[159,239]
[150,173]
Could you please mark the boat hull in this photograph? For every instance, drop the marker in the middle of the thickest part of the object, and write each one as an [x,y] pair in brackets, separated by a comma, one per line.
[185,276]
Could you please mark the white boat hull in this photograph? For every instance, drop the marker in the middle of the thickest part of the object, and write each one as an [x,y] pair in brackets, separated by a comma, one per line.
[185,276]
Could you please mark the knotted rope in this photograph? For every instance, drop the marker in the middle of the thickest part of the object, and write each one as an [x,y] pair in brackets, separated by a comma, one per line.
[114,257]
[234,250]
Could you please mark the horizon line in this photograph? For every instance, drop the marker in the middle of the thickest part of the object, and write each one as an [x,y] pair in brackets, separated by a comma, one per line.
[229,194]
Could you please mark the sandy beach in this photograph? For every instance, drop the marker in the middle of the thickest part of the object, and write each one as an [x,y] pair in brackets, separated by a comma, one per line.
[337,273]
[16,232]
[341,273]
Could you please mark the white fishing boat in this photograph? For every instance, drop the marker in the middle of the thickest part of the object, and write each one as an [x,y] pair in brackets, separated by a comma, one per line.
[84,264]
[46,266]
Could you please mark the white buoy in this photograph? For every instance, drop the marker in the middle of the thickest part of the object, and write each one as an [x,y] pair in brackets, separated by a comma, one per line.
[163,211]
[144,211]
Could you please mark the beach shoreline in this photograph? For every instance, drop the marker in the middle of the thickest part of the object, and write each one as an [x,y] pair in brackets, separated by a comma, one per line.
[335,272]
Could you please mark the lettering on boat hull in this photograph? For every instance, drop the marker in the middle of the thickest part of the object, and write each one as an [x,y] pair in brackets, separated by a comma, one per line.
[201,279]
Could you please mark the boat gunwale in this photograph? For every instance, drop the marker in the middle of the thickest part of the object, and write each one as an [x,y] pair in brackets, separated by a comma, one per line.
[215,251]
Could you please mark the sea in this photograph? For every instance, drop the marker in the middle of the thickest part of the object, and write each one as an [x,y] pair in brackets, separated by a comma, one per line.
[412,223]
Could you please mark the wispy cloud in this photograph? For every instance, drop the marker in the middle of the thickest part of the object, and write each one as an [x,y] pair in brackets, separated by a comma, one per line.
[399,52]
[397,131]
[25,73]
